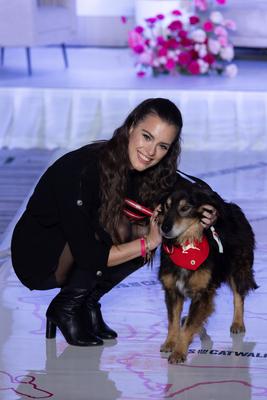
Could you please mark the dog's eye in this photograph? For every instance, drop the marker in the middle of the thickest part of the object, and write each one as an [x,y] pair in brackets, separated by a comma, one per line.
[185,208]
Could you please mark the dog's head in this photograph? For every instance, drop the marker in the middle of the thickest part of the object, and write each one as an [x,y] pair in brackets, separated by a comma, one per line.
[181,213]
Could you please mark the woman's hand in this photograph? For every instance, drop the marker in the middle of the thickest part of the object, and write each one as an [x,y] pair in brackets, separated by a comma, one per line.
[209,216]
[154,236]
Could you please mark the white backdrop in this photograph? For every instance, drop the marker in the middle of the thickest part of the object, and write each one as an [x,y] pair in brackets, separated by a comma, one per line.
[68,118]
[105,7]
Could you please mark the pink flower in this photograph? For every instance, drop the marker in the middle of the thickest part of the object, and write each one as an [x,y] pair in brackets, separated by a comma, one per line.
[139,29]
[160,40]
[175,25]
[186,42]
[201,5]
[223,41]
[208,26]
[209,58]
[138,49]
[123,19]
[184,58]
[141,74]
[151,21]
[162,52]
[221,1]
[135,40]
[193,54]
[170,64]
[194,68]
[182,33]
[220,31]
[193,20]
[230,24]
[160,17]
[172,44]
[176,12]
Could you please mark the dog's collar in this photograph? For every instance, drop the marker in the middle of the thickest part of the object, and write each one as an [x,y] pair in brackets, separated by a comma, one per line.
[190,255]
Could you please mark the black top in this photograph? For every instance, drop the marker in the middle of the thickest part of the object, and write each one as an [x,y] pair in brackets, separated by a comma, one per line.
[63,208]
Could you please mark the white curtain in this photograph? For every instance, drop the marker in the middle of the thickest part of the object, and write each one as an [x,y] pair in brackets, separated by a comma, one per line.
[51,118]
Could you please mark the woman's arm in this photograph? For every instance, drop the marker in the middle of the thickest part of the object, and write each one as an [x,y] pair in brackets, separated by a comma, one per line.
[127,251]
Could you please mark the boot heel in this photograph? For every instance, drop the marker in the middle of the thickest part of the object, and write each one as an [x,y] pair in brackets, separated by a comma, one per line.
[50,329]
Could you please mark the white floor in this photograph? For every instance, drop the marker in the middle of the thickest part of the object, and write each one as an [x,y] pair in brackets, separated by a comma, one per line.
[220,365]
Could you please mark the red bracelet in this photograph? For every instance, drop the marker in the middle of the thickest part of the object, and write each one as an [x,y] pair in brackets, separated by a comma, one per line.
[143,247]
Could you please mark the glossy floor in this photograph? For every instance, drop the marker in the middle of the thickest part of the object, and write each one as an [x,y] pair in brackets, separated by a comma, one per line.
[219,365]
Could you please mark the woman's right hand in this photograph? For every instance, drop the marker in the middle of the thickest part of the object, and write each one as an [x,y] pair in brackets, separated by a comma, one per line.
[154,237]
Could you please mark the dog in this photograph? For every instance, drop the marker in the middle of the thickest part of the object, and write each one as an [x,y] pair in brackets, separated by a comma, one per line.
[195,261]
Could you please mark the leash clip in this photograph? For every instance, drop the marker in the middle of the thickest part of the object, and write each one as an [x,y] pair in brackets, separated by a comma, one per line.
[217,239]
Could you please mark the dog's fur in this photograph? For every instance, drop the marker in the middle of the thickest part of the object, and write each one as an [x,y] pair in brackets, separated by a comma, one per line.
[180,221]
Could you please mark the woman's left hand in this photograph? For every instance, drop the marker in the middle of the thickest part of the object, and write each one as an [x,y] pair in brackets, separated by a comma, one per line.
[209,216]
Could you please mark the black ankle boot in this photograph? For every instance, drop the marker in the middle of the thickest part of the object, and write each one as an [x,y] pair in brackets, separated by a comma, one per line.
[65,312]
[96,322]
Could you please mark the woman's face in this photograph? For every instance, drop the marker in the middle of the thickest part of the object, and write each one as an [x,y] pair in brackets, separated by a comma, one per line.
[149,142]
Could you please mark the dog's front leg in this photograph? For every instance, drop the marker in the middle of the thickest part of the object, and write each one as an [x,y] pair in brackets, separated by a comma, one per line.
[174,304]
[200,309]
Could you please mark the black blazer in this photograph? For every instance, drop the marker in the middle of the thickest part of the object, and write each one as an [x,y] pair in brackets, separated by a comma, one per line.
[63,208]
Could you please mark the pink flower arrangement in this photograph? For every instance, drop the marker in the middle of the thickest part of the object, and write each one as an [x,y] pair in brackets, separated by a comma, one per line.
[192,44]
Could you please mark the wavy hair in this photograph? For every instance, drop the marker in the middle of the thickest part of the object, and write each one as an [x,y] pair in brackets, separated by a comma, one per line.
[154,183]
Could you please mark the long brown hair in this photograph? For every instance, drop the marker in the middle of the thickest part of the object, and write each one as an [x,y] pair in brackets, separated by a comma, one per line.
[114,165]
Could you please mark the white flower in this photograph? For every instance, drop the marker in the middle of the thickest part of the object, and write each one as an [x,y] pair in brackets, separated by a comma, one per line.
[216,17]
[156,62]
[146,57]
[202,51]
[204,67]
[214,46]
[199,35]
[153,43]
[162,60]
[231,70]
[171,54]
[227,53]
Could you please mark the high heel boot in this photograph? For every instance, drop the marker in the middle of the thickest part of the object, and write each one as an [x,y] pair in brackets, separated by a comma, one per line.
[96,321]
[65,312]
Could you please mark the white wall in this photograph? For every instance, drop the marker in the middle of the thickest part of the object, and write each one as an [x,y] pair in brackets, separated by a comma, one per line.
[99,21]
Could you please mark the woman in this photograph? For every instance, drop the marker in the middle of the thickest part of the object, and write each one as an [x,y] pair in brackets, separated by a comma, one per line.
[74,233]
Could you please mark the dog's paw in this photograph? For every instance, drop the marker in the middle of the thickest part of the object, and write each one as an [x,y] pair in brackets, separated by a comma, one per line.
[167,346]
[237,328]
[176,357]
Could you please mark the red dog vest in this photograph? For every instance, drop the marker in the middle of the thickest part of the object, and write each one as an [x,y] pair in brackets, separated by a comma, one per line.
[190,255]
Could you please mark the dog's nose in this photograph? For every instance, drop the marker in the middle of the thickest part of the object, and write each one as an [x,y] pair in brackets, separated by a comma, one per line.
[166,226]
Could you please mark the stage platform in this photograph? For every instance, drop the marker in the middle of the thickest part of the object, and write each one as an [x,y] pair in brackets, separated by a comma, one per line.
[219,366]
[224,142]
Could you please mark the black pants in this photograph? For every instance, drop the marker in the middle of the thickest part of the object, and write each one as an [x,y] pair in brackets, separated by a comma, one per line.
[82,279]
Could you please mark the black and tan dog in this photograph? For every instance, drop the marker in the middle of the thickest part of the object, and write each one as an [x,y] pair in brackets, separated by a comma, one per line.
[194,262]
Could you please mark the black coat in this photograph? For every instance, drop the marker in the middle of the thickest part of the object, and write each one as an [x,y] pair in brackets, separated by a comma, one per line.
[63,208]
